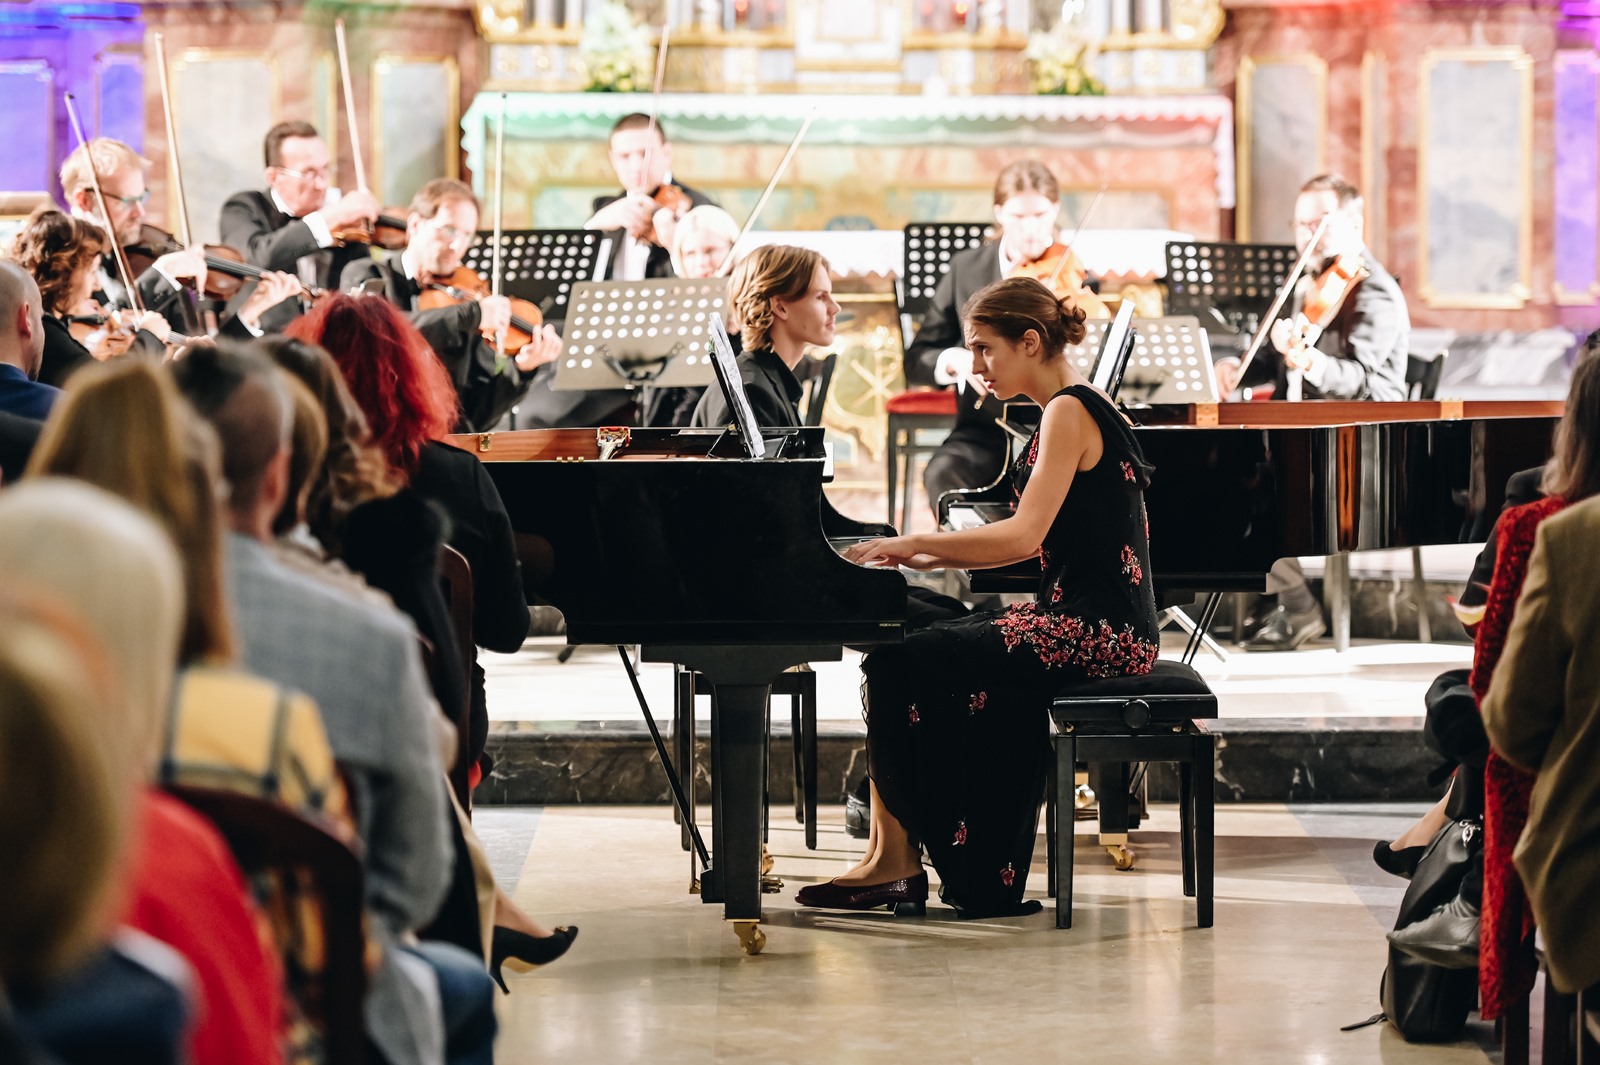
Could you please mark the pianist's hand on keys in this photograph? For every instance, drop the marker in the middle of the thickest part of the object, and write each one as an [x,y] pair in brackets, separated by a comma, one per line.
[890,551]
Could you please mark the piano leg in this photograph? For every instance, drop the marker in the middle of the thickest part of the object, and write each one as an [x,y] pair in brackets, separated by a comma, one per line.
[1336,593]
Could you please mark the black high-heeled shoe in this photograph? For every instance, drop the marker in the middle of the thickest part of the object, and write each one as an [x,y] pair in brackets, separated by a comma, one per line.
[906,898]
[1401,863]
[523,953]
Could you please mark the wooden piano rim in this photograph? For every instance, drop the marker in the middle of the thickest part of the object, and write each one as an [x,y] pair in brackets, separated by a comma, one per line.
[1315,414]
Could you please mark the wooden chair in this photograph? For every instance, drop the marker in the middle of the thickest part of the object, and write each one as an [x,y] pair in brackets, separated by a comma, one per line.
[266,836]
[455,577]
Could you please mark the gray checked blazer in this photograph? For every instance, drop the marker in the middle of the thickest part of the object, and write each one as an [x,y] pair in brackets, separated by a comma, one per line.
[362,666]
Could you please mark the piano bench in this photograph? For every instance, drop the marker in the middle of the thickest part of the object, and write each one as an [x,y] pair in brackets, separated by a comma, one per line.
[800,685]
[909,412]
[1123,720]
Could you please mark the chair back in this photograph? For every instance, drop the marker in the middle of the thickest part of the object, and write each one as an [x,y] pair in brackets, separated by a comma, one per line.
[268,837]
[455,577]
[1423,373]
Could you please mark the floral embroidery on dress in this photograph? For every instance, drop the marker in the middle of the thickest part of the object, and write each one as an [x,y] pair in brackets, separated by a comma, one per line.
[960,839]
[1008,875]
[1130,565]
[912,715]
[1127,472]
[1063,640]
[1044,560]
[1033,451]
[977,702]
[1055,593]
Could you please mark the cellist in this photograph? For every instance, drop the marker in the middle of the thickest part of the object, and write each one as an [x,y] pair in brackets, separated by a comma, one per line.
[440,227]
[1027,201]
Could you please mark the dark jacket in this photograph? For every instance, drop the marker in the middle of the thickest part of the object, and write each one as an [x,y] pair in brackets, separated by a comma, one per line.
[23,396]
[486,392]
[156,294]
[660,262]
[63,354]
[252,224]
[1367,341]
[481,530]
[969,271]
[772,387]
[18,437]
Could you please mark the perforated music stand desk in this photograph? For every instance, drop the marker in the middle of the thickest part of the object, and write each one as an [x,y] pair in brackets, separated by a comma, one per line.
[542,265]
[1227,286]
[928,249]
[632,334]
[1170,363]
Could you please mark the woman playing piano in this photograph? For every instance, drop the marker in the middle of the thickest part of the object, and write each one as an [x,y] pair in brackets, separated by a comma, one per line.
[957,714]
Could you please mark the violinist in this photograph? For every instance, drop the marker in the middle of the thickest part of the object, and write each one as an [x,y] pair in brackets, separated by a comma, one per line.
[291,225]
[63,255]
[440,227]
[1027,201]
[1360,353]
[645,213]
[121,172]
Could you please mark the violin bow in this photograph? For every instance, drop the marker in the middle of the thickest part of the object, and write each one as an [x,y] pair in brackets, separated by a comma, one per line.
[349,104]
[1265,326]
[655,97]
[172,141]
[123,272]
[499,208]
[1082,220]
[766,193]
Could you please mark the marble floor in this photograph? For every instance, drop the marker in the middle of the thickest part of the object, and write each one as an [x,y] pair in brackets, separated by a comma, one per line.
[657,977]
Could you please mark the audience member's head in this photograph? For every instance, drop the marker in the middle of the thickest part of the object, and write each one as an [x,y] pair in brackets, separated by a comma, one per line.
[394,376]
[64,794]
[116,571]
[353,470]
[308,446]
[63,255]
[123,427]
[21,319]
[1573,472]
[242,395]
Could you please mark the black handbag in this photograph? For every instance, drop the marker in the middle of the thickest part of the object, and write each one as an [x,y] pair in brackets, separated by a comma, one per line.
[1427,1003]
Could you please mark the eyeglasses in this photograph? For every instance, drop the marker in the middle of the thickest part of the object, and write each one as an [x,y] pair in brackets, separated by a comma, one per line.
[453,235]
[318,174]
[130,202]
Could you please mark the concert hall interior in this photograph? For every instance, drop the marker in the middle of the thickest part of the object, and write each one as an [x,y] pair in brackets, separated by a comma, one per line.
[931,530]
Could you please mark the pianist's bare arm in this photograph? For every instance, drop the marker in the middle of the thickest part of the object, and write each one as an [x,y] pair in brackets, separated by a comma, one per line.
[1069,441]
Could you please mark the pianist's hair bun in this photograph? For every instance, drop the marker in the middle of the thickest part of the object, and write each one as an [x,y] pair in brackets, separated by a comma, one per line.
[1018,304]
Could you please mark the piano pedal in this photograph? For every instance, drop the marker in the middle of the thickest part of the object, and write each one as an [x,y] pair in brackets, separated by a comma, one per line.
[771,885]
[1083,796]
[766,860]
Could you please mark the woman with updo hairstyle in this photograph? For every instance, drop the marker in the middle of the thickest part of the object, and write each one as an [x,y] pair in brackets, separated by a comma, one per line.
[63,255]
[782,298]
[958,714]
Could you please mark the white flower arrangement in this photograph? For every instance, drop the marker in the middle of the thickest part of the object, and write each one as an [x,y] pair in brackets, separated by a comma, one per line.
[615,50]
[1061,62]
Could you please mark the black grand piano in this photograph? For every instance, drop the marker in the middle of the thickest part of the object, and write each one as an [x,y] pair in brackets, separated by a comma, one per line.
[726,565]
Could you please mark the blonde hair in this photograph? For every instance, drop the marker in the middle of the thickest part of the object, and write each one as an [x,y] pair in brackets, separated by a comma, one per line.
[775,271]
[110,157]
[64,795]
[122,426]
[116,571]
[707,218]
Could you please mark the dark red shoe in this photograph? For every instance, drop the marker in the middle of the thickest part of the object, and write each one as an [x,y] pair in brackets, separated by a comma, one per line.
[906,898]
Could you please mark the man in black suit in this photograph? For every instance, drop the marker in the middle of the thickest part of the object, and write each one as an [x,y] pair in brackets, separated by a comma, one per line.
[441,225]
[1027,201]
[1360,354]
[290,224]
[642,157]
[121,171]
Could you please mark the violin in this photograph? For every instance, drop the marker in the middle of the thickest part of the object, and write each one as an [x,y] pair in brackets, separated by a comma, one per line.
[1059,269]
[226,269]
[388,232]
[1323,298]
[465,286]
[671,198]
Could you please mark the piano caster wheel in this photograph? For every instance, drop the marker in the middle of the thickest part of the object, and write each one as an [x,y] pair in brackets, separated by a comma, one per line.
[694,885]
[766,860]
[771,885]
[751,938]
[1121,856]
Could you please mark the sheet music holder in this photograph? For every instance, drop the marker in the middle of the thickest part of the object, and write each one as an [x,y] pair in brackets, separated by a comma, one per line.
[927,251]
[542,265]
[1116,345]
[1228,287]
[726,367]
[630,334]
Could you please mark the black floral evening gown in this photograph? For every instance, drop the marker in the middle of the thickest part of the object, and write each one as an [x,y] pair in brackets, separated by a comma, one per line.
[958,714]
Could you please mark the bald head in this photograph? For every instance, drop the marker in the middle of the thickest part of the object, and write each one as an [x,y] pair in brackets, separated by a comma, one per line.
[21,319]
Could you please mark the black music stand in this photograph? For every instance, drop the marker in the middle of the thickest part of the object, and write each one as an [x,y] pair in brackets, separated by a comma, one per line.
[632,334]
[542,265]
[928,249]
[1228,287]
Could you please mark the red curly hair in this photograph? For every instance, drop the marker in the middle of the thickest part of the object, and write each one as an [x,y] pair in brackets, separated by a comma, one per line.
[54,247]
[396,379]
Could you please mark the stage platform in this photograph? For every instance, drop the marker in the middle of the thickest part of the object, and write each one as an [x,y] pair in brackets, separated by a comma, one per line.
[1311,725]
